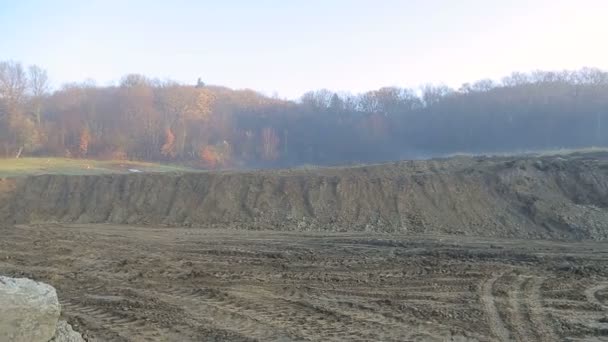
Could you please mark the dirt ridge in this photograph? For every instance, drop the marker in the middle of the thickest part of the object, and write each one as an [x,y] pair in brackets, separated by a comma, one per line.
[558,197]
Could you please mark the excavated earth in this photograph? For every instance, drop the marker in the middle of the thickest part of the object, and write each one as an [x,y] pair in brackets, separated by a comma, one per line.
[535,197]
[461,249]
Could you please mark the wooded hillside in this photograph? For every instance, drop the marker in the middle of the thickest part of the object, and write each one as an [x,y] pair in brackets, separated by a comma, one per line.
[216,127]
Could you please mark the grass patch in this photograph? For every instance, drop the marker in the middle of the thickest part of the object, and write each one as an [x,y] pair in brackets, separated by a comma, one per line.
[64,166]
[533,153]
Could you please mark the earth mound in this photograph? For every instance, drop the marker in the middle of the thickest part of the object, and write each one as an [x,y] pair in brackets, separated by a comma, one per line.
[556,197]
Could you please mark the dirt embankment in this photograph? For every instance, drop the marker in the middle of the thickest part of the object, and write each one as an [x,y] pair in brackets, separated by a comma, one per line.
[537,197]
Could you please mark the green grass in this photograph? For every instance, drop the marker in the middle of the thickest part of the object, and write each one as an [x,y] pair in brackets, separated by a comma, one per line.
[64,166]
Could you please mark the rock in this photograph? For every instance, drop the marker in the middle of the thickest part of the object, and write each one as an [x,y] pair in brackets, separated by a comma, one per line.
[65,333]
[29,310]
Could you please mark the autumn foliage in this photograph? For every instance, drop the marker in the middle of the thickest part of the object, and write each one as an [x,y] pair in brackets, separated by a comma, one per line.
[85,137]
[168,148]
[209,157]
[216,127]
[215,156]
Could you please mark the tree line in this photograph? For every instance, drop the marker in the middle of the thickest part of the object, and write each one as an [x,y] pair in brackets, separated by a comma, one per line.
[216,127]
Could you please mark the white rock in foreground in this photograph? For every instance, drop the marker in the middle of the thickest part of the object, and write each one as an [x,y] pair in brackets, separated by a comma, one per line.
[29,310]
[64,333]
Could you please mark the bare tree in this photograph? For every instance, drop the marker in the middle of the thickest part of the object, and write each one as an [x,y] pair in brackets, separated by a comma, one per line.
[13,87]
[39,87]
[13,82]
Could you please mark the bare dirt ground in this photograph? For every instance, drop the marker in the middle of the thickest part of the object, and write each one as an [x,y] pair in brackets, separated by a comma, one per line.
[125,283]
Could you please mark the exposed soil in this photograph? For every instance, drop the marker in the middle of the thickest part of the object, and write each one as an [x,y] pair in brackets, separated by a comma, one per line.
[462,249]
[558,197]
[124,283]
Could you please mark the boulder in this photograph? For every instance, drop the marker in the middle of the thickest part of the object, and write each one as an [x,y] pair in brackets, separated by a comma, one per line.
[29,310]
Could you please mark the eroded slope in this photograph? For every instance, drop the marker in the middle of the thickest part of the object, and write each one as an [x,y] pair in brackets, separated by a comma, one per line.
[548,197]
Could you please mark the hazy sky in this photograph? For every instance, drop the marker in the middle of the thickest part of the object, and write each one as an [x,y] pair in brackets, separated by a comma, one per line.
[290,47]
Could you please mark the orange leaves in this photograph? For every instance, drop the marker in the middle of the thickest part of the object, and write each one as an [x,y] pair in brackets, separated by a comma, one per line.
[85,138]
[168,149]
[180,103]
[209,156]
[214,156]
[203,103]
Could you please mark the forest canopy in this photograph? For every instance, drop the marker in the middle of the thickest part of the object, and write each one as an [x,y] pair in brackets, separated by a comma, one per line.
[216,127]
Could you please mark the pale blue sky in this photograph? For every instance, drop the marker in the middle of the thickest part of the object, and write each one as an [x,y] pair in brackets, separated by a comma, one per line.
[290,47]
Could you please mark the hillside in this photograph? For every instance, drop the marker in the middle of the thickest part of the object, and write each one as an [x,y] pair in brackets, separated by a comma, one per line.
[215,127]
[559,197]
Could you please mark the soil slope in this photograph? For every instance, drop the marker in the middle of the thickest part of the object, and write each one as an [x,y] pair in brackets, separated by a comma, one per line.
[560,197]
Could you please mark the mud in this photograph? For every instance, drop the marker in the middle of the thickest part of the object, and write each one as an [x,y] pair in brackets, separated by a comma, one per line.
[557,197]
[123,283]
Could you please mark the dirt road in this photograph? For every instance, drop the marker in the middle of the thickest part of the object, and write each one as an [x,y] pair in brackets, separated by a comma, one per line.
[122,283]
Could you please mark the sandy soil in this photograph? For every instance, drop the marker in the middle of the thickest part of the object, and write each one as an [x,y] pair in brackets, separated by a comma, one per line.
[124,283]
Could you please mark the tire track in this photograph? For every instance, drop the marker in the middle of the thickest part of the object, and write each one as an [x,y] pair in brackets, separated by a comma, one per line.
[537,313]
[497,326]
[527,314]
[217,308]
[290,318]
[310,322]
[520,319]
[138,284]
[591,294]
[381,315]
[108,320]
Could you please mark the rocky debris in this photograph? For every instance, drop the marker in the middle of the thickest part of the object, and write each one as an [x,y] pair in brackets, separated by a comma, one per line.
[65,333]
[29,312]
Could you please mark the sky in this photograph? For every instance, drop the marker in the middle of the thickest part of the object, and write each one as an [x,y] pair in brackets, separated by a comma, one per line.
[288,47]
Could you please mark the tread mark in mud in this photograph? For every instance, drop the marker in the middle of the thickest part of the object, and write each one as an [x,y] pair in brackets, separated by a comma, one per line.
[217,308]
[591,294]
[108,320]
[520,319]
[538,313]
[487,298]
[538,319]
